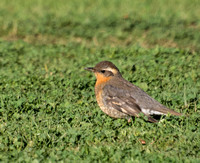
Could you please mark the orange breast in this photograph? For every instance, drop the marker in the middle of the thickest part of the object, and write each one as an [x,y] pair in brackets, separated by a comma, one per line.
[100,83]
[101,79]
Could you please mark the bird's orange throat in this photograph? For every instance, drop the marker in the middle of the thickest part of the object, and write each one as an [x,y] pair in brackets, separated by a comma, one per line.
[101,79]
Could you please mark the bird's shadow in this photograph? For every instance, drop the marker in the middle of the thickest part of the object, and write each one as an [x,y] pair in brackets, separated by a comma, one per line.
[157,117]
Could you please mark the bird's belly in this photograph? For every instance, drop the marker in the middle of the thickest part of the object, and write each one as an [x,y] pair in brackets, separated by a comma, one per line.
[112,112]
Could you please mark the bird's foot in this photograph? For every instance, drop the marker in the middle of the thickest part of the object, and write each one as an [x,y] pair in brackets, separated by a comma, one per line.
[129,119]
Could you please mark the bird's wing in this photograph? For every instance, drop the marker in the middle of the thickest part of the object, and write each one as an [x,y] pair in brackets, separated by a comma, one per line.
[147,103]
[121,100]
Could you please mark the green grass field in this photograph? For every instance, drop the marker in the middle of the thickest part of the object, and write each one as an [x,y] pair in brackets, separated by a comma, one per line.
[48,110]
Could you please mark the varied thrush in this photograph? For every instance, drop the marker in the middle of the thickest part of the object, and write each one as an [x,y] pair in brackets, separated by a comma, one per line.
[119,98]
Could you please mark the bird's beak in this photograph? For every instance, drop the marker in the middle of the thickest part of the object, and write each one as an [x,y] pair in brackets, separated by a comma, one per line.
[90,69]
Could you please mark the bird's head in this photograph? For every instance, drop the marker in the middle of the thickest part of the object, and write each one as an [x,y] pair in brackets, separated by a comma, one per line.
[104,70]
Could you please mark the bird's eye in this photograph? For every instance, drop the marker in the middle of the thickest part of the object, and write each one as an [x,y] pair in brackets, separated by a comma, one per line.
[103,71]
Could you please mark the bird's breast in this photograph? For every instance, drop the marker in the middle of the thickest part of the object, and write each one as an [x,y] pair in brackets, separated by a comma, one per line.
[101,79]
[109,110]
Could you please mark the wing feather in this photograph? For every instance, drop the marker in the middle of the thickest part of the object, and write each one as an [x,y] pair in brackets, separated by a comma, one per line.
[147,104]
[123,102]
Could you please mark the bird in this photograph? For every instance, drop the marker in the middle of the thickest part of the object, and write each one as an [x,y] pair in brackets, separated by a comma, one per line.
[119,98]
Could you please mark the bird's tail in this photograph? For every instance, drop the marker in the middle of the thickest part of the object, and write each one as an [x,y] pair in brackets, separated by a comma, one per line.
[172,112]
[164,110]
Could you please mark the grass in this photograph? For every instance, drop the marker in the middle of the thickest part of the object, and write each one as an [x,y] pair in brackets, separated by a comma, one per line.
[48,111]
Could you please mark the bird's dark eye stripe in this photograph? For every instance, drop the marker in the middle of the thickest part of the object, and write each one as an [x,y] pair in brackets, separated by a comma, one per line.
[103,71]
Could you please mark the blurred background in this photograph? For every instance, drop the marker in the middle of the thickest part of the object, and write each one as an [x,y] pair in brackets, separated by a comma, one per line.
[168,23]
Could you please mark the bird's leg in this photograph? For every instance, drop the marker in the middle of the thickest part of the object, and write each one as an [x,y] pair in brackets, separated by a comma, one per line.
[129,119]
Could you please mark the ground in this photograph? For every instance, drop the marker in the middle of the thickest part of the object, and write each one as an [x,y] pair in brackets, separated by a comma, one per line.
[48,111]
